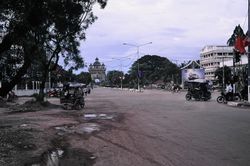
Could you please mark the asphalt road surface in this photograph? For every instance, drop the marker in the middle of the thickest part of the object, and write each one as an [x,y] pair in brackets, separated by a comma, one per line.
[158,128]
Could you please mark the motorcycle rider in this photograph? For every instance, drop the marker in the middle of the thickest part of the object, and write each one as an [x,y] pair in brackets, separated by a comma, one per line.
[229,91]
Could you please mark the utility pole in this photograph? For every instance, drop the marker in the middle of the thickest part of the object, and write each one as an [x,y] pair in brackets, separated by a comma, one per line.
[122,74]
[248,52]
[223,74]
[138,64]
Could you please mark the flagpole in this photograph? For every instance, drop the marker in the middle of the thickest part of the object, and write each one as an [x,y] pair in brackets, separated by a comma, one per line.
[248,51]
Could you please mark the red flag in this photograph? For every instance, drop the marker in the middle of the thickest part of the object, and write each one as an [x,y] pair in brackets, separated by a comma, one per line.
[240,45]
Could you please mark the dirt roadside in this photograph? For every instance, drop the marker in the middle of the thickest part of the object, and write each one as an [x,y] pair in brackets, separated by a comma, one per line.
[32,134]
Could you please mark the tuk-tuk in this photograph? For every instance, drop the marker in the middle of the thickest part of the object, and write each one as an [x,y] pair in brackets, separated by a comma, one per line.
[72,96]
[198,89]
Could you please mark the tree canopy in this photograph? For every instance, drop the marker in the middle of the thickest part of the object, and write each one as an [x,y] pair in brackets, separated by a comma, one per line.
[114,77]
[227,74]
[153,68]
[44,31]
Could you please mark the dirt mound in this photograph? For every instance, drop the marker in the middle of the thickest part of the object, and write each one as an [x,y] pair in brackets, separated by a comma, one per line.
[15,142]
[31,106]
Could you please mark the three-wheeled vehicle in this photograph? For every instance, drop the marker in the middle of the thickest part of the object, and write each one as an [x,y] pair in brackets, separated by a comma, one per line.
[198,89]
[72,96]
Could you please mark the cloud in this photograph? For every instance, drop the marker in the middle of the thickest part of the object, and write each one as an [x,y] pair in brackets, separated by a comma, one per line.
[178,29]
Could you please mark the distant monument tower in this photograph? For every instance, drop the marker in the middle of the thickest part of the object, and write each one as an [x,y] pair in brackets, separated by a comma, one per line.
[97,71]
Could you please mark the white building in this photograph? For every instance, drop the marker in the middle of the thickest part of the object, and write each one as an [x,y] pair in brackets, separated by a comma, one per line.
[229,63]
[211,56]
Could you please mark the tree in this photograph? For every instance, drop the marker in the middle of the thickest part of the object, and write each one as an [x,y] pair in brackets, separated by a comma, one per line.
[114,77]
[153,68]
[8,63]
[227,74]
[45,30]
[84,77]
[128,81]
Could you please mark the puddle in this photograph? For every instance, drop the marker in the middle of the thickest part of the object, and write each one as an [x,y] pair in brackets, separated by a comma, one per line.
[90,116]
[105,116]
[51,158]
[101,116]
[58,157]
[85,128]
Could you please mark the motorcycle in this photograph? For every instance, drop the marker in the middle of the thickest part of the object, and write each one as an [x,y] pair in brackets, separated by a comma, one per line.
[176,89]
[224,98]
[53,93]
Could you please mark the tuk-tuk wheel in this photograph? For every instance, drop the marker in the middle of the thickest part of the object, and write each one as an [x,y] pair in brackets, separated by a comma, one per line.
[77,107]
[188,97]
[65,106]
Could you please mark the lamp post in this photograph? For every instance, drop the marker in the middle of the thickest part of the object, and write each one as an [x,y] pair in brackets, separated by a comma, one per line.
[120,59]
[223,75]
[138,54]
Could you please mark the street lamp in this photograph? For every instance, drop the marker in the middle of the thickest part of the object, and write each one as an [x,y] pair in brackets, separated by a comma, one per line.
[120,59]
[138,54]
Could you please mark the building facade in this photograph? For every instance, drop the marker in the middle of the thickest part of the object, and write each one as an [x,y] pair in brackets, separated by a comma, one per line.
[212,56]
[97,71]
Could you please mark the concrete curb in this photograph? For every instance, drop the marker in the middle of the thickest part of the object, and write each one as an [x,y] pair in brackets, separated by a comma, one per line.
[239,104]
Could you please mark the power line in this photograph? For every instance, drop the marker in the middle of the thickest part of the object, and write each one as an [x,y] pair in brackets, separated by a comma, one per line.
[245,20]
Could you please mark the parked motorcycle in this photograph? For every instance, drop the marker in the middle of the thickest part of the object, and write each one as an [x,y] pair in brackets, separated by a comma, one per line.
[224,98]
[175,88]
[53,93]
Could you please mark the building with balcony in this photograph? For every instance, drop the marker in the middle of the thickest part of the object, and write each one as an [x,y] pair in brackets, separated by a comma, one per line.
[97,71]
[212,56]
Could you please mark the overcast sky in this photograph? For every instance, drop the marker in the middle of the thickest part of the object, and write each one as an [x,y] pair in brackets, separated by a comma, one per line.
[178,29]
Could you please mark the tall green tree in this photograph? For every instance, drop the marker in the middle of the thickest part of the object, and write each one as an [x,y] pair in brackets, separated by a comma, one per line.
[114,77]
[227,74]
[153,68]
[84,77]
[45,30]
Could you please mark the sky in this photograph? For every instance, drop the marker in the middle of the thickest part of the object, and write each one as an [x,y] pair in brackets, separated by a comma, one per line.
[178,29]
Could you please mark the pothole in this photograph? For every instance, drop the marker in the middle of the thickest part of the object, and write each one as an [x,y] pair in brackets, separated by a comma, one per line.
[50,158]
[85,128]
[99,116]
[59,157]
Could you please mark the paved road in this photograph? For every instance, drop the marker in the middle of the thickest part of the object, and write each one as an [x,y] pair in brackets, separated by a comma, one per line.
[159,128]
